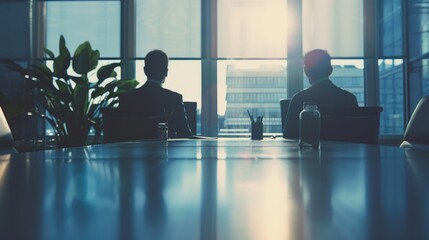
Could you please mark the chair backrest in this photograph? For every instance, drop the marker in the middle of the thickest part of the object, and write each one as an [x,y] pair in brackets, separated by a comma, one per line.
[358,125]
[191,112]
[119,127]
[417,131]
[284,107]
[6,138]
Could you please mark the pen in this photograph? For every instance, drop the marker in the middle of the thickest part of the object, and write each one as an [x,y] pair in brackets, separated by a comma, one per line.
[259,119]
[250,116]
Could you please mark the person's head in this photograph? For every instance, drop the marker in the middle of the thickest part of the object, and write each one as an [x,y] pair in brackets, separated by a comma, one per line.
[317,64]
[156,65]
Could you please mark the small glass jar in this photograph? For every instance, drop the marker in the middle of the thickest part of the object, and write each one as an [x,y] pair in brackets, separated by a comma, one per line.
[309,125]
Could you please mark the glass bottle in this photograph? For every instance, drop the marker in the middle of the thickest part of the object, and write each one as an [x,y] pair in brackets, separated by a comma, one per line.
[162,131]
[309,125]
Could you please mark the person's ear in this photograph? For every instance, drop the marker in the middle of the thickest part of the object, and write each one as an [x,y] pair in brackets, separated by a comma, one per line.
[166,72]
[145,71]
[308,72]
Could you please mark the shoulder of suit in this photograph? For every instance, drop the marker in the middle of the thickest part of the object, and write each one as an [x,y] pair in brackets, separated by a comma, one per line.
[172,93]
[129,93]
[302,94]
[298,99]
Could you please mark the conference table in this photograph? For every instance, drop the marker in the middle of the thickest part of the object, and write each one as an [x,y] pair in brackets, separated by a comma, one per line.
[215,189]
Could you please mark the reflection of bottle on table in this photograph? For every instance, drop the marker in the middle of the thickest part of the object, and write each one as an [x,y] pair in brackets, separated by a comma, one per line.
[309,126]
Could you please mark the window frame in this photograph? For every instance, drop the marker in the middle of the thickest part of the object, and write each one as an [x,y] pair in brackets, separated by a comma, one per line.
[209,58]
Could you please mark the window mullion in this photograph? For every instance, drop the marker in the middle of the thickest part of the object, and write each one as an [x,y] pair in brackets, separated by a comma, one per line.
[128,38]
[371,53]
[294,48]
[209,117]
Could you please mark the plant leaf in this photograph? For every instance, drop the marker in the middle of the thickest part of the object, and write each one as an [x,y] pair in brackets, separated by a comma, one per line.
[81,58]
[107,71]
[78,80]
[11,65]
[42,69]
[49,53]
[98,92]
[94,56]
[125,85]
[62,62]
[85,59]
[62,86]
[118,87]
[80,96]
[63,93]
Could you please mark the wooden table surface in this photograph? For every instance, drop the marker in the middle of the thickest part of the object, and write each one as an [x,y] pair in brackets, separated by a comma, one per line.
[215,189]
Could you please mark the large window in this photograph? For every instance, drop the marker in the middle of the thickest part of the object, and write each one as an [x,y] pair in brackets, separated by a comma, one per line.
[256,30]
[250,64]
[418,45]
[390,68]
[333,25]
[259,29]
[391,28]
[391,96]
[97,22]
[171,25]
[252,29]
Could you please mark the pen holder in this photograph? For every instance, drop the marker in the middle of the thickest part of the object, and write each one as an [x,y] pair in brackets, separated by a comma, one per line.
[256,131]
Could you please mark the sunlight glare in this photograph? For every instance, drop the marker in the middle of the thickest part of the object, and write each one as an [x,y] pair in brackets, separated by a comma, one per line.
[4,163]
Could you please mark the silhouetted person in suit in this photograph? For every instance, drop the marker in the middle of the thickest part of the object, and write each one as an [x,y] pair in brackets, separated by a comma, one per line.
[318,68]
[152,99]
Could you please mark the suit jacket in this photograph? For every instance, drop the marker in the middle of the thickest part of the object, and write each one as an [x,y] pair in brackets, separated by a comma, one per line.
[152,99]
[325,94]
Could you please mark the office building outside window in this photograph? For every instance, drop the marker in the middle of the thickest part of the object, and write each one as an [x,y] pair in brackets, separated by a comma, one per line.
[257,90]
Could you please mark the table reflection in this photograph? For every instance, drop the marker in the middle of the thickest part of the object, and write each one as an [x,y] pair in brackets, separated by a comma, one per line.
[216,189]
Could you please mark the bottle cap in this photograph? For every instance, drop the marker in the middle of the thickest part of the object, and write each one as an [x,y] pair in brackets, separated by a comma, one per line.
[309,103]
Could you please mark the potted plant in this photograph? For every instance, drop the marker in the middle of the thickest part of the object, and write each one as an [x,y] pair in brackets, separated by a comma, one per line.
[73,102]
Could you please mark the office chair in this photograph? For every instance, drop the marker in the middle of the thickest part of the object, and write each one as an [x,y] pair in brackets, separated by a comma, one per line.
[417,132]
[191,113]
[119,126]
[284,107]
[358,125]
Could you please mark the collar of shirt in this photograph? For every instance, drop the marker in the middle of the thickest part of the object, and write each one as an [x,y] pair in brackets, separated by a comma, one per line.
[319,81]
[154,81]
